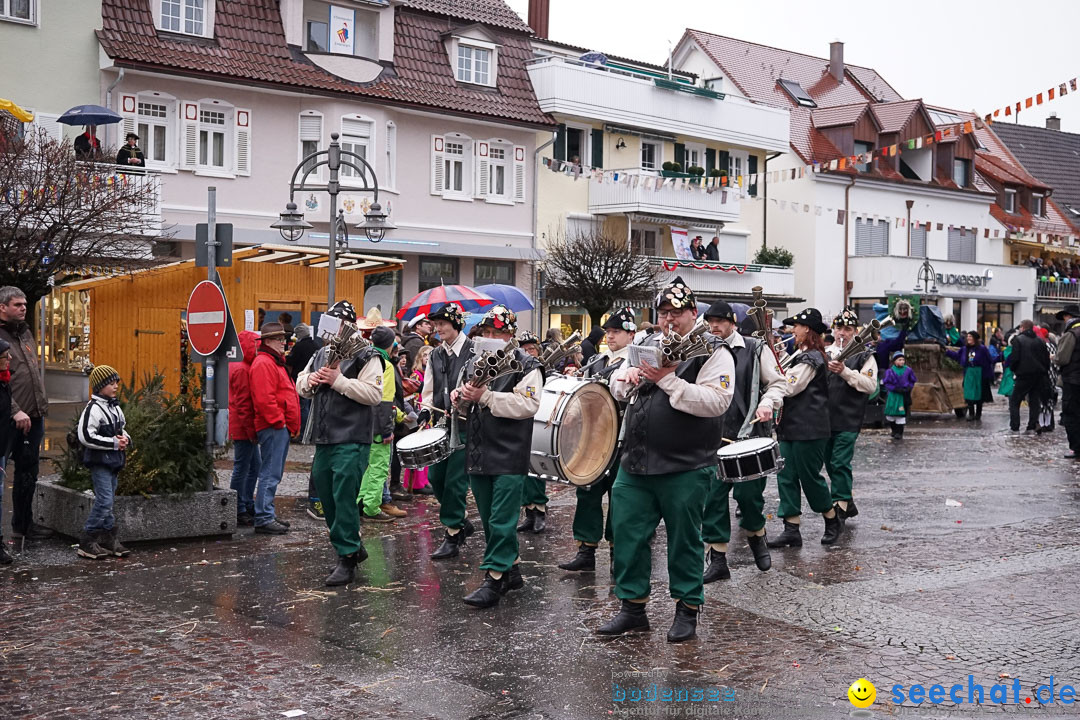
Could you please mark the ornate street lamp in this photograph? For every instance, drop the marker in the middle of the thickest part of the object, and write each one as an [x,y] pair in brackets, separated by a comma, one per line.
[292,225]
[926,278]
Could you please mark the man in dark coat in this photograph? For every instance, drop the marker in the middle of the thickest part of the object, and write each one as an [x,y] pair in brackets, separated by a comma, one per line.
[1030,363]
[591,345]
[712,252]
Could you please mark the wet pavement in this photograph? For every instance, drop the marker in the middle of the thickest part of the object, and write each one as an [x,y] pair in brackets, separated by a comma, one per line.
[919,591]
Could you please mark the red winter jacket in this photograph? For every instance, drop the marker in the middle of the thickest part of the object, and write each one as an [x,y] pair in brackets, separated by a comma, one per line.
[241,411]
[273,394]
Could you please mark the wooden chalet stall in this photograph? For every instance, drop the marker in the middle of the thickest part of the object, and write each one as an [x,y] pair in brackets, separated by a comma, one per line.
[136,320]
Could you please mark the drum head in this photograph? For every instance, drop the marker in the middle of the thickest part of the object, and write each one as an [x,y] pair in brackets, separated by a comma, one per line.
[588,434]
[421,438]
[742,447]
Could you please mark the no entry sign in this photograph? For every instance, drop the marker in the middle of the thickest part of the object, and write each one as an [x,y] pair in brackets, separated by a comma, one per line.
[207,318]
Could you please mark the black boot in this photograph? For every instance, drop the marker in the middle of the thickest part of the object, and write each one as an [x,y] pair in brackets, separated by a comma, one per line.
[631,618]
[684,626]
[488,594]
[468,528]
[718,569]
[451,545]
[5,556]
[834,528]
[851,511]
[791,537]
[345,572]
[584,560]
[513,578]
[110,542]
[759,546]
[539,521]
[527,524]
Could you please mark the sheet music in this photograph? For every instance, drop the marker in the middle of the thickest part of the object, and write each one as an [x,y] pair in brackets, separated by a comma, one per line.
[642,355]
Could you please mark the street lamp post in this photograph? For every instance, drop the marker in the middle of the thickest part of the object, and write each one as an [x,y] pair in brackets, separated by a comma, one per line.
[292,225]
[927,278]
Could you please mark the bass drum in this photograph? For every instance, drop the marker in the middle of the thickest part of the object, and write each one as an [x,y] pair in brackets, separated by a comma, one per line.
[575,432]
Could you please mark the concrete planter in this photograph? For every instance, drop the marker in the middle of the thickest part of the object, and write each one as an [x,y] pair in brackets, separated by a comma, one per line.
[158,517]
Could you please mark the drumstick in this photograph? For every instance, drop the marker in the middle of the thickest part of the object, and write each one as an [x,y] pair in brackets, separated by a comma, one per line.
[432,407]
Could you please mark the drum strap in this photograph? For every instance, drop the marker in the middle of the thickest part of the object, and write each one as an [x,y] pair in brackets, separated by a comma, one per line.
[755,392]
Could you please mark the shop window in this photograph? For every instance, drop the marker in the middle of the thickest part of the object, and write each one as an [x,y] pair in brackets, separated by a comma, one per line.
[436,271]
[494,271]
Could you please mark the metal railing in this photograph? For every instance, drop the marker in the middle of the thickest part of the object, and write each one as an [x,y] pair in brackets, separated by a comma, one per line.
[1058,289]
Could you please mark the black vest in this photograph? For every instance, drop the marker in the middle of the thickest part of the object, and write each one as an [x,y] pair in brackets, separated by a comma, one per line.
[661,440]
[847,406]
[745,377]
[806,415]
[336,419]
[494,445]
[446,370]
[1070,372]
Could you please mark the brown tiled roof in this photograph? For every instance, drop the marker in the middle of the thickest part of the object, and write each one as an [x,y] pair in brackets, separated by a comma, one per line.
[1050,155]
[839,115]
[249,47]
[894,116]
[755,69]
[488,12]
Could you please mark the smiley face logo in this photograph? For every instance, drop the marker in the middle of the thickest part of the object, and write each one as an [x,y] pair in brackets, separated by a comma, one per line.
[862,693]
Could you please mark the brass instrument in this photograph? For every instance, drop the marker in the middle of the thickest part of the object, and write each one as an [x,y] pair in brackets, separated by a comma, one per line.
[676,348]
[554,355]
[345,345]
[760,316]
[490,366]
[859,343]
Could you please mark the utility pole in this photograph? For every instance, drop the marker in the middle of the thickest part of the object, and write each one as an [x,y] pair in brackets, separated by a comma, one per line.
[209,400]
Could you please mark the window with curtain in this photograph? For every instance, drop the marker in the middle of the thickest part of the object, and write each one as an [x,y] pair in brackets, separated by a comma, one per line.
[356,138]
[436,271]
[213,132]
[494,271]
[153,123]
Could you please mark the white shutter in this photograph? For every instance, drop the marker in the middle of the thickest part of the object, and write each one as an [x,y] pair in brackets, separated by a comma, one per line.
[311,127]
[483,175]
[243,142]
[438,180]
[129,108]
[468,174]
[189,135]
[519,173]
[47,122]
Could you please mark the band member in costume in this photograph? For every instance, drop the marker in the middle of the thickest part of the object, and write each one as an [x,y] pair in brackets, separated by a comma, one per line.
[448,478]
[673,430]
[851,383]
[342,422]
[755,368]
[804,432]
[499,439]
[589,526]
[528,342]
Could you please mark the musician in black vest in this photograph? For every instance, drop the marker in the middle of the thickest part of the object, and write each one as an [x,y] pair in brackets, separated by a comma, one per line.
[343,400]
[499,427]
[589,526]
[755,368]
[851,383]
[673,430]
[804,432]
[448,479]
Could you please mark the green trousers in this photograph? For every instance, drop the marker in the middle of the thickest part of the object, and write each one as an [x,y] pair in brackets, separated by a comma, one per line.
[589,514]
[378,471]
[638,504]
[337,470]
[498,498]
[802,468]
[534,491]
[838,455]
[750,496]
[451,486]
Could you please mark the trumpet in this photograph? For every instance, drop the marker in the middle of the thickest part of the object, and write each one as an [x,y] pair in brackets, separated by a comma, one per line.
[491,366]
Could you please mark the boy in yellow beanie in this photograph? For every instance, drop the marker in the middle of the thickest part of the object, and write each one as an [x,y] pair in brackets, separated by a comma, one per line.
[101,432]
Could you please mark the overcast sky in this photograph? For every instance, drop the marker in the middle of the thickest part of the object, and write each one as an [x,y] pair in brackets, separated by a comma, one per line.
[965,55]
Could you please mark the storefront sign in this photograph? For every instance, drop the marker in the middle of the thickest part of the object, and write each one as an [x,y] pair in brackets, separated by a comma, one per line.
[341,30]
[962,280]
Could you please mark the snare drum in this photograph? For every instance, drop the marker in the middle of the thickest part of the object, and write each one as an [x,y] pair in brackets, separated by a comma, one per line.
[424,448]
[575,431]
[749,459]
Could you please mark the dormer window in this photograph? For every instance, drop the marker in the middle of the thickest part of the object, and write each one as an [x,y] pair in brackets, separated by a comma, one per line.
[188,17]
[1038,205]
[474,64]
[474,55]
[1010,201]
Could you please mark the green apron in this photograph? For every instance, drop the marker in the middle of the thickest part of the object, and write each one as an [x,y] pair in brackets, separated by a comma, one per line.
[973,382]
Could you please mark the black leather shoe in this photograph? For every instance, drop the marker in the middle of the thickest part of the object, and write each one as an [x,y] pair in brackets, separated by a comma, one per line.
[527,524]
[718,569]
[271,528]
[684,626]
[451,546]
[5,556]
[279,521]
[539,521]
[759,546]
[426,490]
[488,594]
[631,618]
[584,560]
[791,537]
[513,578]
[39,532]
[834,528]
[851,511]
[345,572]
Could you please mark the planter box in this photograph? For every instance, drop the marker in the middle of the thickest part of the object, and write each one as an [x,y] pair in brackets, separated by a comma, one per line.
[158,517]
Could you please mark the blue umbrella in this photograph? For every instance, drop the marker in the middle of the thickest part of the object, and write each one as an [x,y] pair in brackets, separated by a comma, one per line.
[507,295]
[89,115]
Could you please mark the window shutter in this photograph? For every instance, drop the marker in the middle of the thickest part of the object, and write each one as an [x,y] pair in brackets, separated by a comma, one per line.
[751,169]
[470,167]
[519,172]
[243,142]
[438,183]
[47,122]
[724,162]
[680,155]
[597,148]
[189,135]
[311,127]
[482,163]
[129,109]
[710,160]
[560,143]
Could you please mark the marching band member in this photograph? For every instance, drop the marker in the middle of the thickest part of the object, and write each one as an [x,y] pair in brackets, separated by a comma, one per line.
[851,383]
[589,525]
[499,439]
[673,430]
[755,368]
[448,478]
[528,342]
[804,432]
[342,422]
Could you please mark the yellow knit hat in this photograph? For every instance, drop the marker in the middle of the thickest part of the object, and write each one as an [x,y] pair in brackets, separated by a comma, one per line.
[101,376]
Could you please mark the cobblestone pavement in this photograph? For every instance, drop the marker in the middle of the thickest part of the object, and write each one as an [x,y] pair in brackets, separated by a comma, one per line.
[918,592]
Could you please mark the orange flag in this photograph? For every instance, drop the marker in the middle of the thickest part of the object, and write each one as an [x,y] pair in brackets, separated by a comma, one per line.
[1038,99]
[1027,103]
[967,127]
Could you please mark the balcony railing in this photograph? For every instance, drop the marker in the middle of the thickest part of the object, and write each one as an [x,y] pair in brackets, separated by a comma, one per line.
[635,190]
[729,279]
[1059,289]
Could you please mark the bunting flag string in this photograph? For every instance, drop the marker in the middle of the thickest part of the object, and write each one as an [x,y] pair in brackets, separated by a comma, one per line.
[1035,100]
[672,266]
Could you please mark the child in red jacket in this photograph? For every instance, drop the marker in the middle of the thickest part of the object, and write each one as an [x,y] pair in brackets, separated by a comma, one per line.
[246,460]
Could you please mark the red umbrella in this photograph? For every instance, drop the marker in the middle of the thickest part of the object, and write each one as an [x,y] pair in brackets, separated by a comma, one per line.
[470,300]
